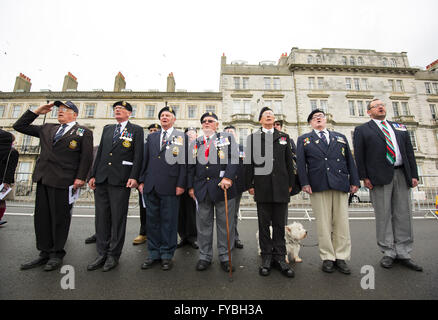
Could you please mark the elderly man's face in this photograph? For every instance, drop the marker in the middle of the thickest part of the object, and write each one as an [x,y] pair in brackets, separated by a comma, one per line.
[377,110]
[167,119]
[278,126]
[192,135]
[66,115]
[267,119]
[209,125]
[318,121]
[121,114]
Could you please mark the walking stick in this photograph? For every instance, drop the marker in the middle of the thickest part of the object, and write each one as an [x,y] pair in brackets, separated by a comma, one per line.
[228,236]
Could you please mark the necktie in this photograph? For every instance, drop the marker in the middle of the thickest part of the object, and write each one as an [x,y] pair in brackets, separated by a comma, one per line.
[390,150]
[207,147]
[323,137]
[163,141]
[116,133]
[59,134]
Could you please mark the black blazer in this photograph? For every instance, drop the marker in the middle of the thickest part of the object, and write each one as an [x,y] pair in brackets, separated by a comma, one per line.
[58,165]
[326,168]
[273,186]
[159,173]
[7,174]
[370,153]
[122,161]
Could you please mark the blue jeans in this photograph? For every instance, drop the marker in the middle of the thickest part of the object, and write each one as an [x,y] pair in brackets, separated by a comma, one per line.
[162,224]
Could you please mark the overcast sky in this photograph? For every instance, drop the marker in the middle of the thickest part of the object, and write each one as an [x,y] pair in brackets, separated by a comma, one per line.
[146,40]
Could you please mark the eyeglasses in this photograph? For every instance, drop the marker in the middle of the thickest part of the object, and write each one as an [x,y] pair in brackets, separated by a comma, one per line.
[377,105]
[208,121]
[318,116]
[64,109]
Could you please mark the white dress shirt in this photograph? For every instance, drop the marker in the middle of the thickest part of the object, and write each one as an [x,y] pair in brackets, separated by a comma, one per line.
[326,134]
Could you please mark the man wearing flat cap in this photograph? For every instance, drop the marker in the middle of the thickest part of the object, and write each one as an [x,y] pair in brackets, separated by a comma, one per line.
[162,182]
[116,170]
[269,177]
[212,169]
[328,173]
[141,238]
[64,161]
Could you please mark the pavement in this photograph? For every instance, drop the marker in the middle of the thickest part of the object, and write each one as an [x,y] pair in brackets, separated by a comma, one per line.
[368,281]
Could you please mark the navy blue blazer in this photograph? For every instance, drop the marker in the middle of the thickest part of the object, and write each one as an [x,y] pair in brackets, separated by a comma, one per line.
[326,168]
[370,153]
[204,176]
[165,168]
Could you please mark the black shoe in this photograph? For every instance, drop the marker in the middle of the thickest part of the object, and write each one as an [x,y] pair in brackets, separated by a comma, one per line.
[149,263]
[387,262]
[110,263]
[166,264]
[91,239]
[284,268]
[202,265]
[53,264]
[225,265]
[182,243]
[35,263]
[265,268]
[410,264]
[238,244]
[342,266]
[3,222]
[96,264]
[328,266]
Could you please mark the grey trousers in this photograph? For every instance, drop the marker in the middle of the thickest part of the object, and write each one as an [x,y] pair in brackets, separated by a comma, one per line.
[236,215]
[392,207]
[205,223]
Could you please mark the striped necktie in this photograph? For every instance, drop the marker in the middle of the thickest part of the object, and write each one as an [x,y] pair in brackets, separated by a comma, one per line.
[116,133]
[163,141]
[59,134]
[390,150]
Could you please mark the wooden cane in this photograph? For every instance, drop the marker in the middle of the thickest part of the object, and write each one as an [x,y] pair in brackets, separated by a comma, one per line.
[228,236]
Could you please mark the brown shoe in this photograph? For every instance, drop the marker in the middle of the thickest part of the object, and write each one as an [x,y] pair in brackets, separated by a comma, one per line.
[139,240]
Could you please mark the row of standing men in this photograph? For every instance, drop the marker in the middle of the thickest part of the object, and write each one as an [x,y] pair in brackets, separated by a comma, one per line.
[324,165]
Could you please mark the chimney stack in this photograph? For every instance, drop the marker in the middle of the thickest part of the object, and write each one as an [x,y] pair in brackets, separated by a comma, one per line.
[223,59]
[119,83]
[22,84]
[283,59]
[171,83]
[70,83]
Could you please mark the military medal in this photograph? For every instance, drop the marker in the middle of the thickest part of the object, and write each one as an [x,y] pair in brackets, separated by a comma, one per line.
[307,141]
[80,132]
[126,143]
[73,144]
[317,141]
[343,151]
[283,140]
[175,151]
[221,154]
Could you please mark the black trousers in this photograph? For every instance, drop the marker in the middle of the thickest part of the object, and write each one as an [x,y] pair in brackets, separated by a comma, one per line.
[142,215]
[111,203]
[272,214]
[52,220]
[187,218]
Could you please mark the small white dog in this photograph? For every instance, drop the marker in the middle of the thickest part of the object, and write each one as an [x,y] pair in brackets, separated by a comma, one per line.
[293,234]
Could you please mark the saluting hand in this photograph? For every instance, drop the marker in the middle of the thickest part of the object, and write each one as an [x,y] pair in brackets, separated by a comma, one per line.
[44,109]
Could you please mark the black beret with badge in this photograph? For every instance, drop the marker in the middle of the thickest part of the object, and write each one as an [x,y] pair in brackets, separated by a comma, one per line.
[263,110]
[67,104]
[123,104]
[309,118]
[168,109]
[209,114]
[154,126]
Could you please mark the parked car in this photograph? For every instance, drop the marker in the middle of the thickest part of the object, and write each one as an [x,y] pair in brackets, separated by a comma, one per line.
[362,195]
